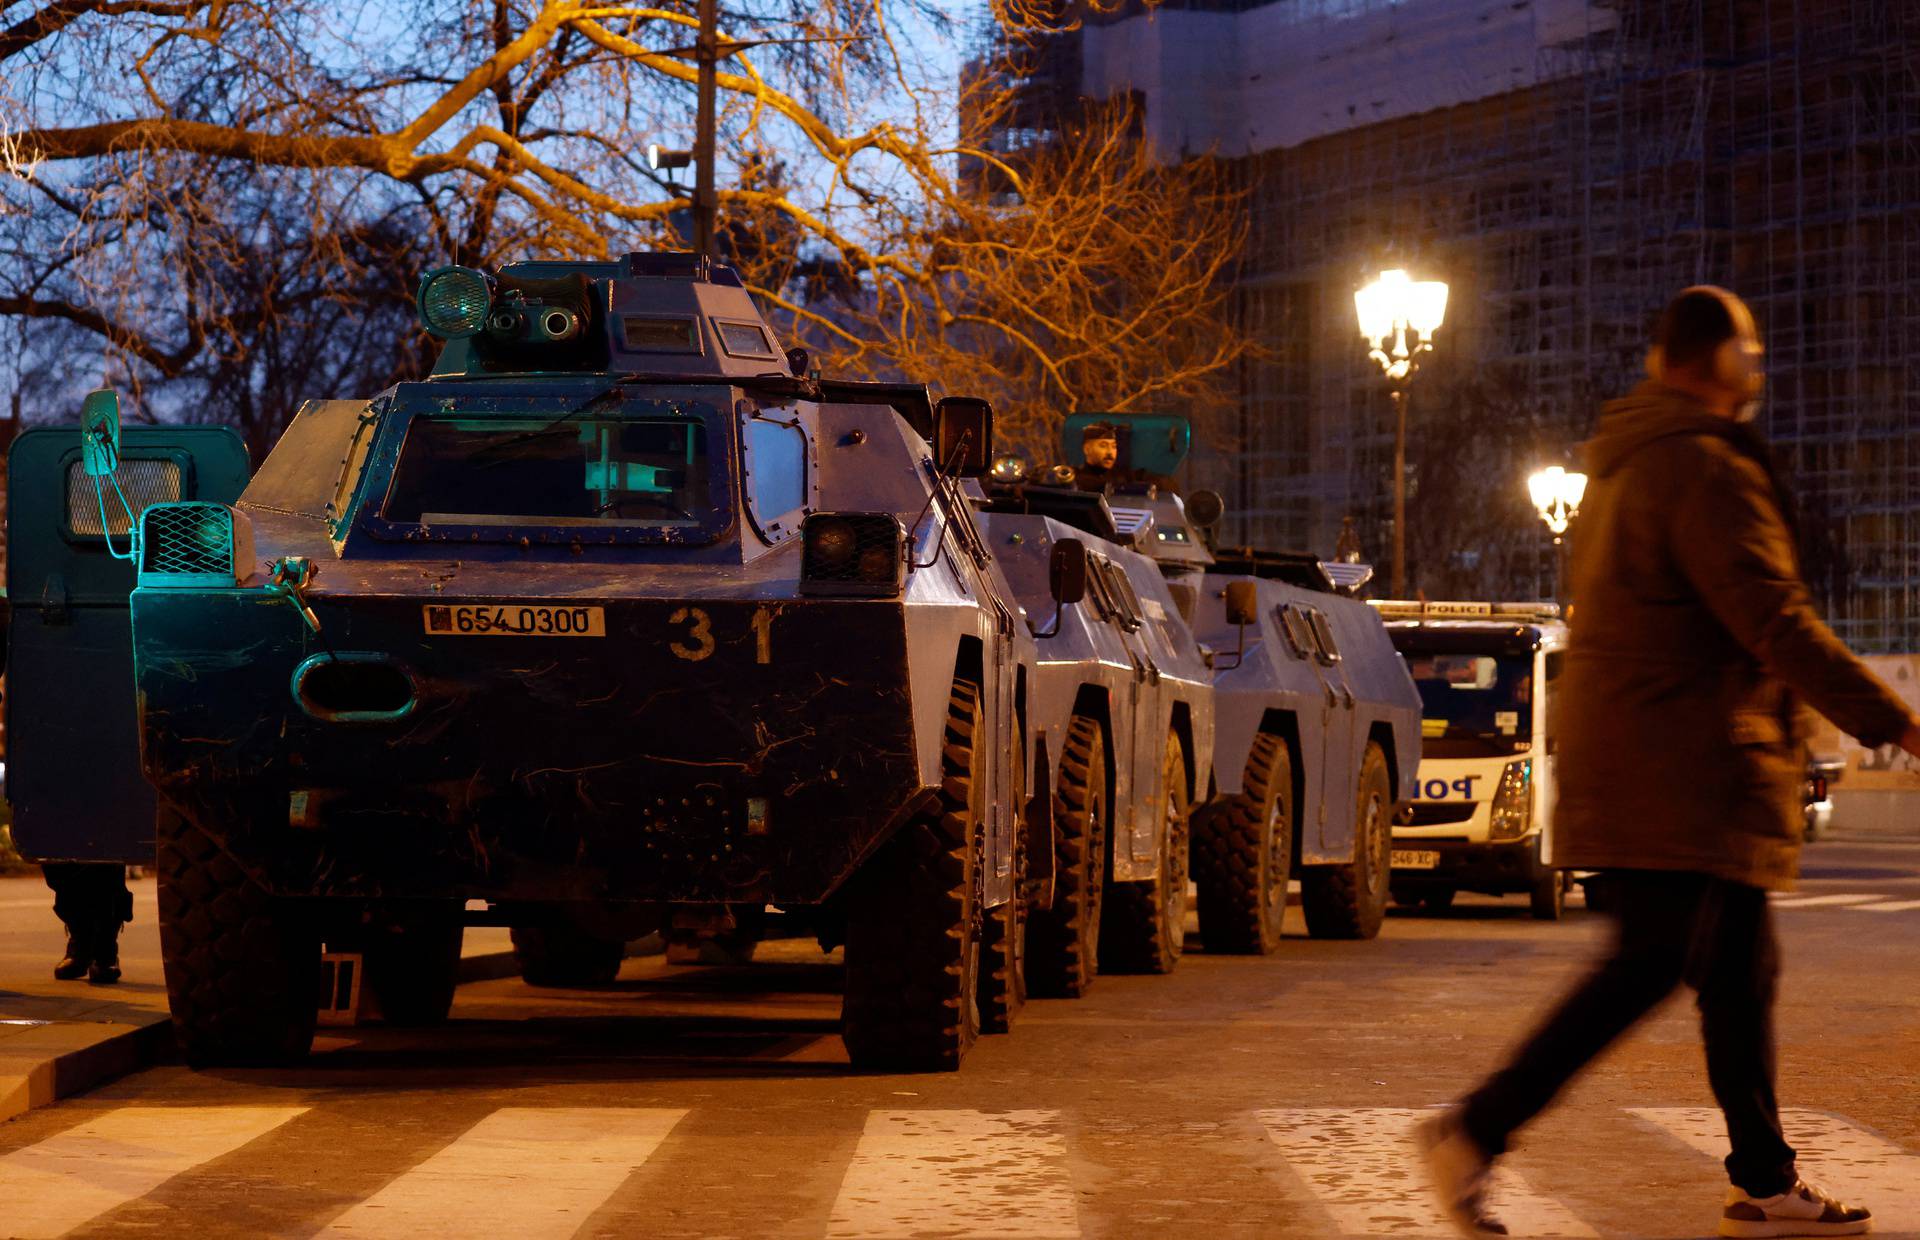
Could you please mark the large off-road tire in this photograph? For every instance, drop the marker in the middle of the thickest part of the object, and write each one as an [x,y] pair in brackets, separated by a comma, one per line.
[1003,942]
[413,968]
[1350,901]
[1144,929]
[564,956]
[913,951]
[242,965]
[1063,942]
[1243,854]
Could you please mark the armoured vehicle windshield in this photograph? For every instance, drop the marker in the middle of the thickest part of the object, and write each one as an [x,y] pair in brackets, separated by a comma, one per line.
[645,464]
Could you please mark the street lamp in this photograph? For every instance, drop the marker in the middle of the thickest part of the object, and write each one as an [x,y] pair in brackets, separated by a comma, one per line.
[1556,493]
[1388,309]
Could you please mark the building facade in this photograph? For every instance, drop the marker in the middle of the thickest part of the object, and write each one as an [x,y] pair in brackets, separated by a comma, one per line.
[1565,165]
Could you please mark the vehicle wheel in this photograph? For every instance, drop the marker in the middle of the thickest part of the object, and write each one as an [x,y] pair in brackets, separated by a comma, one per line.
[1003,941]
[913,956]
[1548,897]
[1438,899]
[1350,901]
[414,969]
[1063,942]
[242,965]
[1243,852]
[1145,925]
[1599,893]
[566,956]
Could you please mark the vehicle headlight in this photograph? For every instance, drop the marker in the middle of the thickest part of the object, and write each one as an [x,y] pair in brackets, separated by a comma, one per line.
[453,301]
[1512,812]
[195,545]
[852,553]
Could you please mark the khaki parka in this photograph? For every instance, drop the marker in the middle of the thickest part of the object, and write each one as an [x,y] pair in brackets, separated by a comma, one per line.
[1693,645]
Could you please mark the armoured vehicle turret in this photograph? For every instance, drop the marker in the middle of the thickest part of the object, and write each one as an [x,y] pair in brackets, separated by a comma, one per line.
[620,619]
[1317,724]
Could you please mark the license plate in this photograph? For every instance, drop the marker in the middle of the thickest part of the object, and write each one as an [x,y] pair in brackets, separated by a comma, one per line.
[513,620]
[1415,859]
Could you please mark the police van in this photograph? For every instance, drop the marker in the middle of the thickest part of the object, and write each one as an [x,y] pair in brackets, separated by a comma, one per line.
[1480,815]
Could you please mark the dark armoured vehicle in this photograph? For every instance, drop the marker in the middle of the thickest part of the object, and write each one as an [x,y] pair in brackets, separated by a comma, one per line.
[1123,720]
[1317,724]
[73,753]
[619,620]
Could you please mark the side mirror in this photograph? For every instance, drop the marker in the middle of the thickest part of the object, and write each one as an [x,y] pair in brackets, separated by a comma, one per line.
[1205,507]
[963,435]
[100,433]
[1243,602]
[1067,571]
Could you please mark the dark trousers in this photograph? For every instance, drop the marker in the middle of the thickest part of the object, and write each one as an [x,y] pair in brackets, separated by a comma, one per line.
[90,896]
[1669,928]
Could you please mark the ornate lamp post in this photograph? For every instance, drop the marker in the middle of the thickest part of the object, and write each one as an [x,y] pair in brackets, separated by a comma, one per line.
[1389,309]
[1556,495]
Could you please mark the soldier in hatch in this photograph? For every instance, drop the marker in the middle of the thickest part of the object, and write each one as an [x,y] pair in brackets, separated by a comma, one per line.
[1100,449]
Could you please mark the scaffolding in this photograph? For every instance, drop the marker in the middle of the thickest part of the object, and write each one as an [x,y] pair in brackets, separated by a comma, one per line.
[1771,147]
[1768,145]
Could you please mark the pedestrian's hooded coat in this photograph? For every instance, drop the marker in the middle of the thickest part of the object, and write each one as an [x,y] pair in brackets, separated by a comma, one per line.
[1694,644]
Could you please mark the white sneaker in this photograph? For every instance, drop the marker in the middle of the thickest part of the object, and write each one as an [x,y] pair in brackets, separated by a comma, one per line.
[1802,1210]
[1458,1168]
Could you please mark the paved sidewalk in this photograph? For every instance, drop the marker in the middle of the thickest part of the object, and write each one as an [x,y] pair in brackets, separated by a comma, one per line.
[61,1038]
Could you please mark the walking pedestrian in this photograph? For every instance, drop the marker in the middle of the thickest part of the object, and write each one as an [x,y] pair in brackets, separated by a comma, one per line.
[1693,647]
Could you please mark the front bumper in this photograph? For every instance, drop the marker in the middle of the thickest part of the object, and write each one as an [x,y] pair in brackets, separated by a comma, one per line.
[617,768]
[1494,868]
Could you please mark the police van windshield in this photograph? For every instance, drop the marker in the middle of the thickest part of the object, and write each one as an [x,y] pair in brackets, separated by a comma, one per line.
[579,469]
[1486,700]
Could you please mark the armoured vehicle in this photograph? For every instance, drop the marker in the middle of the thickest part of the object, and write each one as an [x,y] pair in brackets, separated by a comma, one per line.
[73,774]
[1481,817]
[1316,723]
[621,618]
[1123,727]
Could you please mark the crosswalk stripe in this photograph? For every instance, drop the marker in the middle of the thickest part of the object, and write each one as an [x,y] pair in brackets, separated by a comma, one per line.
[521,1171]
[1897,906]
[52,1187]
[1817,901]
[958,1173]
[1842,1158]
[1364,1166]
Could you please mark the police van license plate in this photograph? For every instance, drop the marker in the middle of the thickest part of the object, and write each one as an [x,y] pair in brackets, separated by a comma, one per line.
[1415,858]
[514,620]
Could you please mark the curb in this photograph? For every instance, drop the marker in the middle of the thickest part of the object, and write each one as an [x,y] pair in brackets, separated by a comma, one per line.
[114,1052]
[121,1050]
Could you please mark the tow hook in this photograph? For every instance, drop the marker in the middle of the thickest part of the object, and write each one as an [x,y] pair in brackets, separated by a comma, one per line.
[289,577]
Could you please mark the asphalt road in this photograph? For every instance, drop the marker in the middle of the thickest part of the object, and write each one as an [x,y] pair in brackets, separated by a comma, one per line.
[1238,1097]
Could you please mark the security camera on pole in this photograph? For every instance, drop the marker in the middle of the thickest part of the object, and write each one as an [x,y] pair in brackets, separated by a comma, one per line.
[1390,308]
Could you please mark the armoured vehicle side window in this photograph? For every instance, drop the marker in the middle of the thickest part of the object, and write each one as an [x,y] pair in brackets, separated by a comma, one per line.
[777,447]
[744,339]
[1126,604]
[1296,629]
[1099,591]
[339,508]
[644,334]
[1329,651]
